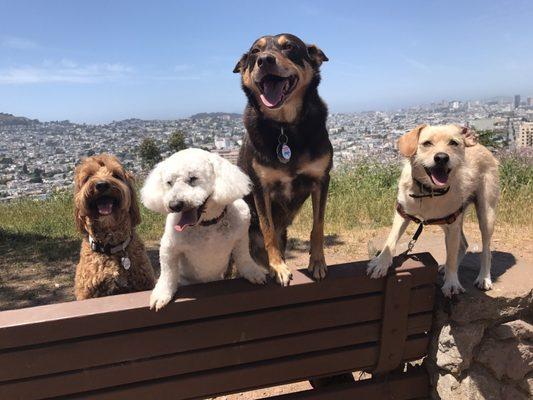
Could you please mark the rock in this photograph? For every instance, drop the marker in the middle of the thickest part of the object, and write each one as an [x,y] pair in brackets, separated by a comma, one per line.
[511,393]
[456,345]
[512,359]
[480,384]
[475,305]
[518,329]
[446,386]
[527,384]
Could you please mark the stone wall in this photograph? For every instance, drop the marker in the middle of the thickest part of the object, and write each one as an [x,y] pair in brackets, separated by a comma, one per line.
[482,345]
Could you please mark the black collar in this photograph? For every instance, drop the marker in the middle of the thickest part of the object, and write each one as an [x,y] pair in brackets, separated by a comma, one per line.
[429,191]
[108,248]
[214,220]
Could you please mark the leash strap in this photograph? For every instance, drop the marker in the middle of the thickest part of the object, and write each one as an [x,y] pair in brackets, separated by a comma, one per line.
[415,237]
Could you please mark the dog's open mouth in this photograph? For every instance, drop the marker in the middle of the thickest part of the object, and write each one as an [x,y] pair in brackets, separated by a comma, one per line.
[189,217]
[105,205]
[275,89]
[438,175]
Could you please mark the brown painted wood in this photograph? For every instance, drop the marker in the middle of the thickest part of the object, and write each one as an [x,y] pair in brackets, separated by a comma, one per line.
[56,322]
[394,321]
[406,386]
[192,362]
[253,376]
[207,340]
[90,352]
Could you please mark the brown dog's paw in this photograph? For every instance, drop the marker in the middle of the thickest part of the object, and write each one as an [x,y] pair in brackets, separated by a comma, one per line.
[282,273]
[318,268]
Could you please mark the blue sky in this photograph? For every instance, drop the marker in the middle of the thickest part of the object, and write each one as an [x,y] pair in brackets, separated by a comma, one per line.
[97,61]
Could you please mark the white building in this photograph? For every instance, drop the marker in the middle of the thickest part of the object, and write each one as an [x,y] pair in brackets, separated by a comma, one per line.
[222,143]
[525,135]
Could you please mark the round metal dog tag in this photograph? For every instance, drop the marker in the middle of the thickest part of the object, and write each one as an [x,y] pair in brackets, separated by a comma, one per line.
[284,153]
[126,263]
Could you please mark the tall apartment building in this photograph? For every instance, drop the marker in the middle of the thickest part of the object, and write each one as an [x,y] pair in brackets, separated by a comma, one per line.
[525,135]
[516,100]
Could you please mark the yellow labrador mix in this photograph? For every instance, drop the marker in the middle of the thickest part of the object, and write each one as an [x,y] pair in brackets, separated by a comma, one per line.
[445,171]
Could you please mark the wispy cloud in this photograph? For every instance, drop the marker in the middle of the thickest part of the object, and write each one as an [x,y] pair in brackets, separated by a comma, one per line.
[416,64]
[65,71]
[18,43]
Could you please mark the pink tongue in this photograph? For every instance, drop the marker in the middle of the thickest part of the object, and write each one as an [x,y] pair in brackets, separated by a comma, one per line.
[272,92]
[187,218]
[439,177]
[105,207]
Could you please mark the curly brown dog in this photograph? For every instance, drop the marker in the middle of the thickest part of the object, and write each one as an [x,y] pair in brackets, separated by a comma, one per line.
[113,259]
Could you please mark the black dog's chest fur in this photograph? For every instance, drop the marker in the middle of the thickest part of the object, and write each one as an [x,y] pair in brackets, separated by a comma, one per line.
[289,184]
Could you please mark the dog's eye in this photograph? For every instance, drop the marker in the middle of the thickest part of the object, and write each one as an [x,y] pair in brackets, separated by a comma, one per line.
[255,50]
[427,143]
[169,183]
[117,176]
[287,46]
[453,143]
[192,180]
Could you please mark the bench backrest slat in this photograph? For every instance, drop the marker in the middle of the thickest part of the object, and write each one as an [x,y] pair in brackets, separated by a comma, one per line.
[208,335]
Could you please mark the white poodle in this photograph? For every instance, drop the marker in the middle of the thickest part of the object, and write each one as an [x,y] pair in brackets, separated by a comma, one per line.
[207,221]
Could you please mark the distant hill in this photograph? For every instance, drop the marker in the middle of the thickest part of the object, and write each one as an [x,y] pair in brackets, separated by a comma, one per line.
[9,119]
[216,114]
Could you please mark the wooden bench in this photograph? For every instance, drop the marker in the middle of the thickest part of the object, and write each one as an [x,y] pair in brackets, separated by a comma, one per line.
[227,337]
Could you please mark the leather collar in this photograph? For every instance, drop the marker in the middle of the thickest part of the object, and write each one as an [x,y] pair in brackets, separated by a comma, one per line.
[107,248]
[214,220]
[447,220]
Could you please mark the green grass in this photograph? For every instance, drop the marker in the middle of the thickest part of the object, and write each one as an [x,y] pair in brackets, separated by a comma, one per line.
[361,196]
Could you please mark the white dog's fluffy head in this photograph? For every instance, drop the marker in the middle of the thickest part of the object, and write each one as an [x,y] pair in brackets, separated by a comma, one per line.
[190,180]
[436,152]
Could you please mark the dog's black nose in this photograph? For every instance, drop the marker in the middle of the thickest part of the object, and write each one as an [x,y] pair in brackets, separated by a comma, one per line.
[441,158]
[265,60]
[101,186]
[175,206]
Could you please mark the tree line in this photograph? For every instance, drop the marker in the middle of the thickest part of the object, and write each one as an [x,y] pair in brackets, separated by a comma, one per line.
[150,149]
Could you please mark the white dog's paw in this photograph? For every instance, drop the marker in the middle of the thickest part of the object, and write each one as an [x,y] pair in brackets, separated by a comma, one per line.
[254,273]
[282,273]
[378,266]
[160,298]
[483,283]
[318,268]
[452,286]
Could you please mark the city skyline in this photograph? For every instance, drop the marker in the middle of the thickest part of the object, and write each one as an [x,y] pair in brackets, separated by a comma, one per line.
[100,62]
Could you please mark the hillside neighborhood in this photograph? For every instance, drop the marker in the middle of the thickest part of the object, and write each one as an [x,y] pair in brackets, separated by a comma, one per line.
[38,158]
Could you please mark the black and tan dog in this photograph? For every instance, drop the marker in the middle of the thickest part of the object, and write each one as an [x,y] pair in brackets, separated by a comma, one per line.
[286,151]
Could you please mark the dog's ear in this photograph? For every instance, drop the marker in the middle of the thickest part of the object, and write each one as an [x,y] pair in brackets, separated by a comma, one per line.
[79,220]
[408,143]
[316,55]
[152,190]
[239,67]
[230,182]
[135,213]
[469,136]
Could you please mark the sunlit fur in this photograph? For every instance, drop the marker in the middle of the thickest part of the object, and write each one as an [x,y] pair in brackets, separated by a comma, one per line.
[200,253]
[306,70]
[473,176]
[99,274]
